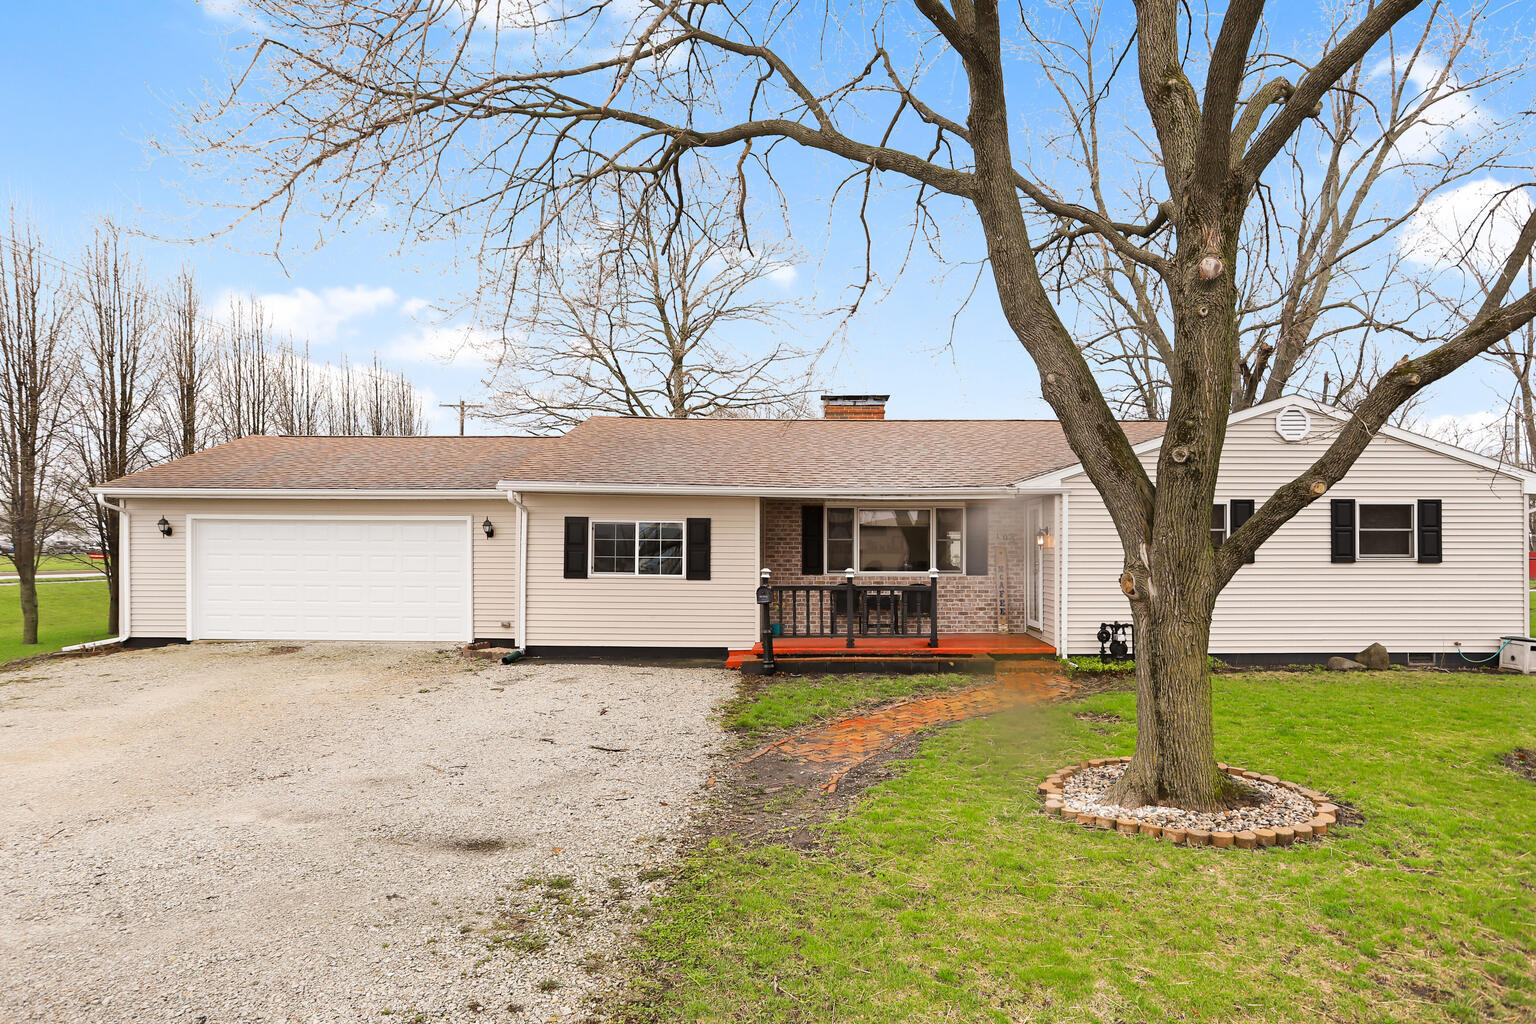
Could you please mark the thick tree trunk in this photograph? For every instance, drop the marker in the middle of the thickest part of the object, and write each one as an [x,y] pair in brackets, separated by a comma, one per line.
[114,578]
[1175,759]
[25,548]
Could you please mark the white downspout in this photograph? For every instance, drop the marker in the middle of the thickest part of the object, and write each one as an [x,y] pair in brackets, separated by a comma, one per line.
[125,605]
[522,568]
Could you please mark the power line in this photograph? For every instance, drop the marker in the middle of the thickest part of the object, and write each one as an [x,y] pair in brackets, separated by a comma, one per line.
[463,408]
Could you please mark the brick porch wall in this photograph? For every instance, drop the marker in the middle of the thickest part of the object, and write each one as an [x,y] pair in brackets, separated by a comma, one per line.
[967,604]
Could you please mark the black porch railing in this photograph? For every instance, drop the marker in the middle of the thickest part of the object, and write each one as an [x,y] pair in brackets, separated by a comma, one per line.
[847,611]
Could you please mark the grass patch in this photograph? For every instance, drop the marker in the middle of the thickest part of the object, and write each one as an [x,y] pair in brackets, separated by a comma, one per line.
[53,563]
[68,613]
[788,702]
[945,895]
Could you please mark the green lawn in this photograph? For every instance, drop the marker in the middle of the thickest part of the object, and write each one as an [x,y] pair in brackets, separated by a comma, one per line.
[68,613]
[946,896]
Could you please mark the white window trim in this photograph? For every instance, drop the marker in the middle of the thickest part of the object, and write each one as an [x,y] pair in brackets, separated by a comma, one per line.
[1413,530]
[933,538]
[592,570]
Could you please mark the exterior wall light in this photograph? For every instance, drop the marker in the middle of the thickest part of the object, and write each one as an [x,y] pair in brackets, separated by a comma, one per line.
[165,527]
[490,531]
[1042,535]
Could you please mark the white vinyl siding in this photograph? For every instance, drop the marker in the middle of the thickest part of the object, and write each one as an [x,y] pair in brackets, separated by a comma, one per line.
[158,572]
[1293,599]
[642,611]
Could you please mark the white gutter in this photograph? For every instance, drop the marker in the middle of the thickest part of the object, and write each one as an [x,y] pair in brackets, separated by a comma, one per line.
[731,490]
[292,492]
[522,567]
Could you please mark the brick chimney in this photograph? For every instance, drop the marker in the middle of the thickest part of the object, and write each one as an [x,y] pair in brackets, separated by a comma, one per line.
[853,407]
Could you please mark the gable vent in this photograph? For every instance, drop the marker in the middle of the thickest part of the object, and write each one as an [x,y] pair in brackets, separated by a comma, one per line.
[1293,423]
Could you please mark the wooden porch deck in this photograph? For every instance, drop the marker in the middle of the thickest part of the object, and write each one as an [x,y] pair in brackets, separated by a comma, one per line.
[950,645]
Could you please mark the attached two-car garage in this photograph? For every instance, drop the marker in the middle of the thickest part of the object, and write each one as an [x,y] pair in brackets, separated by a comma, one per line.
[344,578]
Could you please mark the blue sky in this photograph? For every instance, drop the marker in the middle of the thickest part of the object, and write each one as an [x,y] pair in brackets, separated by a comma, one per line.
[91,83]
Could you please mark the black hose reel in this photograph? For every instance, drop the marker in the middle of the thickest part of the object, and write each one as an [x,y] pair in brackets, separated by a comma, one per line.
[1115,639]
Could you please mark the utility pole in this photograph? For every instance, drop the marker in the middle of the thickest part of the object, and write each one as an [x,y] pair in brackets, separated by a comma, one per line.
[463,408]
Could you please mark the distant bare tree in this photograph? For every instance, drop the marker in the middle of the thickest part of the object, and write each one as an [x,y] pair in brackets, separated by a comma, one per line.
[187,361]
[244,395]
[112,396]
[35,364]
[651,312]
[300,388]
[388,403]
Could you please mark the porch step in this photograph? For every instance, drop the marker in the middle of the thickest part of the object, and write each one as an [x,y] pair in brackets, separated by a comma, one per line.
[874,664]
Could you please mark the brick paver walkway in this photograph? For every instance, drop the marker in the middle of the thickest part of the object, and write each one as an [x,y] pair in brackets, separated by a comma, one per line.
[842,746]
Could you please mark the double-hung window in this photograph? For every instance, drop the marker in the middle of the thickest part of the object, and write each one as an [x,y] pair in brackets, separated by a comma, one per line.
[1386,531]
[1218,524]
[887,540]
[639,548]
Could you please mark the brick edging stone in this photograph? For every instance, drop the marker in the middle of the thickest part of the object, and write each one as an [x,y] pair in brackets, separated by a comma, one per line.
[1324,814]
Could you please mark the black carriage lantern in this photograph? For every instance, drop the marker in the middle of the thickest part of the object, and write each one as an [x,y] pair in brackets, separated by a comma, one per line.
[490,531]
[165,527]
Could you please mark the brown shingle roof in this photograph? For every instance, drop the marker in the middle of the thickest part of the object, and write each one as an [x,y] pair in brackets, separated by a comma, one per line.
[349,463]
[818,455]
[852,455]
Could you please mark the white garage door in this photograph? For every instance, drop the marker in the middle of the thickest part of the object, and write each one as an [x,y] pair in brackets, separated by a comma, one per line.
[329,579]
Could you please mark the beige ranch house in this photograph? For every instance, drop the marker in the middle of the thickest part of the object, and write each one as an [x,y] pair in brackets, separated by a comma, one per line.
[645,533]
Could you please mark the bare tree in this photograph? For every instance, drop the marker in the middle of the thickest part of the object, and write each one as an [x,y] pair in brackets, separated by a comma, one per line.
[113,394]
[187,369]
[388,405]
[301,389]
[35,315]
[244,396]
[383,104]
[651,313]
[1327,288]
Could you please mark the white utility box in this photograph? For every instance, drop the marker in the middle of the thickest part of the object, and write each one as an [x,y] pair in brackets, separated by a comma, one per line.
[1518,654]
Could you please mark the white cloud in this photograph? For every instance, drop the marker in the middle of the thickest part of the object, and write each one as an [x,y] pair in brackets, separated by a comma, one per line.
[1447,112]
[1475,431]
[233,12]
[1474,226]
[784,275]
[415,307]
[317,317]
[440,346]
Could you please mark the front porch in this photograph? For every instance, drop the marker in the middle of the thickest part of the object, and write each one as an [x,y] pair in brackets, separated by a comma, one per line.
[905,586]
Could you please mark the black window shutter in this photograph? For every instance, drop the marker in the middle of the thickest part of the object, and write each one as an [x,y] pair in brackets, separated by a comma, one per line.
[698,550]
[1241,510]
[976,540]
[811,554]
[1342,523]
[575,547]
[1429,530]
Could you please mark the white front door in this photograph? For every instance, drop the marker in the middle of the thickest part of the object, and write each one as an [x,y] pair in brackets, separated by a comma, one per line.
[347,578]
[1034,583]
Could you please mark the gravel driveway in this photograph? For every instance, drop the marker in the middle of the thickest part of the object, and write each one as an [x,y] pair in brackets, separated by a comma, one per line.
[244,832]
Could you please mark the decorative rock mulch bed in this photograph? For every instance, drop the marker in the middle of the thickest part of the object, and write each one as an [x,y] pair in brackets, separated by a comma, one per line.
[1281,813]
